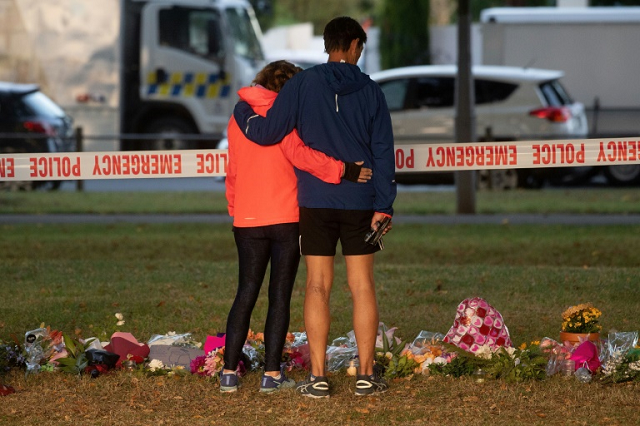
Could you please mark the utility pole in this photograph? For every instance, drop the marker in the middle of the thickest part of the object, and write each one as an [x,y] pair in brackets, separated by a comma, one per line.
[465,110]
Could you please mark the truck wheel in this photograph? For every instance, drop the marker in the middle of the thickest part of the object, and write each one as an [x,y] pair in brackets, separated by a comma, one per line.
[173,128]
[623,175]
[497,179]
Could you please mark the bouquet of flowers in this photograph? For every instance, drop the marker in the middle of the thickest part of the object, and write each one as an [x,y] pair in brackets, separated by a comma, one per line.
[209,365]
[254,350]
[11,355]
[507,363]
[295,349]
[582,318]
[429,352]
[621,367]
[293,354]
[556,352]
[394,359]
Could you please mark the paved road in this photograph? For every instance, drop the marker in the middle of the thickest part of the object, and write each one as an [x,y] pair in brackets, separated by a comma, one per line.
[194,184]
[497,219]
[217,185]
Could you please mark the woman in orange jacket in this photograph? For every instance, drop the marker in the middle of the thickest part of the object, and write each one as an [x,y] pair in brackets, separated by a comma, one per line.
[261,190]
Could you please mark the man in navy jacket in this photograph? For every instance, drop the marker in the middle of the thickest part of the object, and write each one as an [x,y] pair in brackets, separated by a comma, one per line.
[340,111]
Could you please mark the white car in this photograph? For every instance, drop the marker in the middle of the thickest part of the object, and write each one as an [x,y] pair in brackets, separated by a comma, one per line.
[510,104]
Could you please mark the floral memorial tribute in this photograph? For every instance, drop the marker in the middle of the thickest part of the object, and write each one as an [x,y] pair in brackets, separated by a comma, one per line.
[478,345]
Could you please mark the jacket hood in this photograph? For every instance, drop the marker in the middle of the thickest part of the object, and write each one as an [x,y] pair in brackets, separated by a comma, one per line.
[257,96]
[343,78]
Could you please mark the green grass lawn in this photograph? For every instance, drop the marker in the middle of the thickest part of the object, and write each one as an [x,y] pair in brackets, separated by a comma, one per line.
[555,200]
[183,278]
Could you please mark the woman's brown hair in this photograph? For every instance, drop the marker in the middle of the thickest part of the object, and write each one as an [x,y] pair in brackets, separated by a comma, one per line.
[274,75]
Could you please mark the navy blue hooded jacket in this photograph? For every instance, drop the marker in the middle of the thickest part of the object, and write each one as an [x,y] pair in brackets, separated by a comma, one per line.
[340,111]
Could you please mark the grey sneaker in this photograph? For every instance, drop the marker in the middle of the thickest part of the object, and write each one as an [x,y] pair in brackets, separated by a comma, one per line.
[370,385]
[314,387]
[268,384]
[228,382]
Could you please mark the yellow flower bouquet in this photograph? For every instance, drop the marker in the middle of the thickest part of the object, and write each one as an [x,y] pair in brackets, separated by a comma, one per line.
[582,318]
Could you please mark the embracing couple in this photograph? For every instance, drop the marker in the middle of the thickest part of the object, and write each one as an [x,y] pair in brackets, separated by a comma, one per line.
[343,185]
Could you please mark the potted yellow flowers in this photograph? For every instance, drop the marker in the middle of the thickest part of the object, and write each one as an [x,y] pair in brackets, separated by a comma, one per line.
[580,323]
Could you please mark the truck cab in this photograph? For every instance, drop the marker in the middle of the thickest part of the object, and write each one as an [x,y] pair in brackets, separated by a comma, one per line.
[182,63]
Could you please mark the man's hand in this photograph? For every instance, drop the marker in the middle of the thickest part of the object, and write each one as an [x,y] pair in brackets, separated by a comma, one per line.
[354,172]
[378,217]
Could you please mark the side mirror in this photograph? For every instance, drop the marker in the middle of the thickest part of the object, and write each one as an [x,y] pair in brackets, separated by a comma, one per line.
[161,76]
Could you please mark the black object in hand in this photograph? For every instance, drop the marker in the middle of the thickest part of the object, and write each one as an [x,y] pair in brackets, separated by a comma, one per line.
[374,235]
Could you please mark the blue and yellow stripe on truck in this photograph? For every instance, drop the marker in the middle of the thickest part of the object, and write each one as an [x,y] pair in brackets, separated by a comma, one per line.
[189,85]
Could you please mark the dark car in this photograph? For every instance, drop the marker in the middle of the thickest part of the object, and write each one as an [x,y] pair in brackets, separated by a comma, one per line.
[31,122]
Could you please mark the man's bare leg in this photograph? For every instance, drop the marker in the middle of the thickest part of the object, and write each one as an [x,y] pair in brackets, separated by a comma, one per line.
[317,318]
[365,308]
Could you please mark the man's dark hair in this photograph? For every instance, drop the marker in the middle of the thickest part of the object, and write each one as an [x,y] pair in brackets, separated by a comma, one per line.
[340,32]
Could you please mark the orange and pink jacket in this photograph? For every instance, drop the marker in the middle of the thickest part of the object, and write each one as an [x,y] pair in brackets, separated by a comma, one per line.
[261,186]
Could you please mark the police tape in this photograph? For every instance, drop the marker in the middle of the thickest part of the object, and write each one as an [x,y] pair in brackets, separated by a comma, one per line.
[408,158]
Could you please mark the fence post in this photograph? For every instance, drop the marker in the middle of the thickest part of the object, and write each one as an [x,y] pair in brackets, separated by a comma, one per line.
[596,111]
[488,137]
[79,148]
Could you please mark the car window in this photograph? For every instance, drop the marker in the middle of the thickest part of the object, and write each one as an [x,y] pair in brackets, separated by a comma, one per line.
[555,93]
[439,92]
[488,91]
[38,104]
[432,92]
[395,92]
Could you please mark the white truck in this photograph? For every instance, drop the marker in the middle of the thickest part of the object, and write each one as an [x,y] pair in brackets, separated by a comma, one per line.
[141,66]
[596,47]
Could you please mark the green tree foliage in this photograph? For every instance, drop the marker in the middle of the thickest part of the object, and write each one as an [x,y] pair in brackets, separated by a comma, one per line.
[404,33]
[287,12]
[264,10]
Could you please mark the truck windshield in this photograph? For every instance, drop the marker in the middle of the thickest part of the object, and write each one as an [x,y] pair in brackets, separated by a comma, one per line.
[191,30]
[245,40]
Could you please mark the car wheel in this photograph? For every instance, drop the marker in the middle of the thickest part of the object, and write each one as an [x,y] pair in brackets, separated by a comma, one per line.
[171,127]
[623,175]
[528,180]
[52,185]
[497,179]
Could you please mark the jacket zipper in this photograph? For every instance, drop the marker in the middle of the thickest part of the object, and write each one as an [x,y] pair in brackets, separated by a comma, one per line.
[337,110]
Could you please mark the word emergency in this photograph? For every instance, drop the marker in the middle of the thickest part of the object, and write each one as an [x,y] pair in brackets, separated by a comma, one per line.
[137,164]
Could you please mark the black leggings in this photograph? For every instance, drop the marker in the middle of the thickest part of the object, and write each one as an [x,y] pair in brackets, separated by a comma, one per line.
[256,246]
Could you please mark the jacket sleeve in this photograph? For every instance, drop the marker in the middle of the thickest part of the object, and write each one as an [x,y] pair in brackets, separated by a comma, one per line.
[384,166]
[232,170]
[279,121]
[309,160]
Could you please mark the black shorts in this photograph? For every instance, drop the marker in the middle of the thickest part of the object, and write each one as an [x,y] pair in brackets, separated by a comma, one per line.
[320,230]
